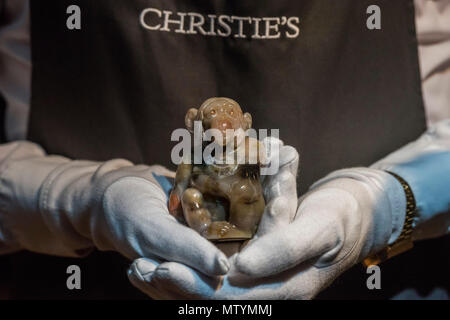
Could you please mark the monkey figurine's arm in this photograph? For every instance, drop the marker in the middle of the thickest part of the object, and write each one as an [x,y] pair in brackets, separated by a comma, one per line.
[182,179]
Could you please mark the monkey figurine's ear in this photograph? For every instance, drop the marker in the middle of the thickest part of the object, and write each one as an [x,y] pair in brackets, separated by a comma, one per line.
[248,120]
[191,116]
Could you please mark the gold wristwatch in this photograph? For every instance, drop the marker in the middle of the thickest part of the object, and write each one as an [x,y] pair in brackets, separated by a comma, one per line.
[404,241]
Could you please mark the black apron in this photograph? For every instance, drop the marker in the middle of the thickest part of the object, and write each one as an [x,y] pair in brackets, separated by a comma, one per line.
[342,94]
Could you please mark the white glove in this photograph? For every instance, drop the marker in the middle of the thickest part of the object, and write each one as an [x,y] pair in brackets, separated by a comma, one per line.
[161,281]
[56,206]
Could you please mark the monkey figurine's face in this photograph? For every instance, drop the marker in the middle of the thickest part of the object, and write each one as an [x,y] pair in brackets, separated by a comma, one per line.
[222,114]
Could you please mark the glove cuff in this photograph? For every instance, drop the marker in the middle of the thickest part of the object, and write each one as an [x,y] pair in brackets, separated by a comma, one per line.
[404,241]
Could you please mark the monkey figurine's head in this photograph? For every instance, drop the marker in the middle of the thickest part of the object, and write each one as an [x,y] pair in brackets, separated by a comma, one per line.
[219,113]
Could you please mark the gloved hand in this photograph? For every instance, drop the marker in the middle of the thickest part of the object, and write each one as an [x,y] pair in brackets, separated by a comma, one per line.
[345,217]
[155,277]
[56,206]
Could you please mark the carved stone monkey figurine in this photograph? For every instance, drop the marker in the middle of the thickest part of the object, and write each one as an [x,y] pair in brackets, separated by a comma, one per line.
[221,201]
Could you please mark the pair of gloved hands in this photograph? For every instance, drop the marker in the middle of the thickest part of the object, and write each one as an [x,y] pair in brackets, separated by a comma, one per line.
[56,206]
[298,249]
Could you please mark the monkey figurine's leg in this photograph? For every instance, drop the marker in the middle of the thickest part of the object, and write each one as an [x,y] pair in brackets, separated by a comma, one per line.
[199,218]
[182,178]
[195,213]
